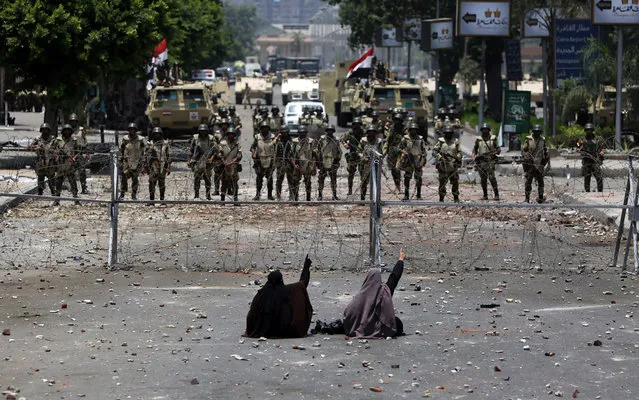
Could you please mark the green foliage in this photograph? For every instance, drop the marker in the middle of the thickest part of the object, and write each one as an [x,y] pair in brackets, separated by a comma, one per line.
[567,136]
[468,72]
[241,21]
[473,120]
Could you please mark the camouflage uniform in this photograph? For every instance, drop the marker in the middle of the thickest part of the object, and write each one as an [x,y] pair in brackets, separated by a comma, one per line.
[231,154]
[448,154]
[485,155]
[391,148]
[132,151]
[67,150]
[305,155]
[45,147]
[276,119]
[351,140]
[234,120]
[158,161]
[203,148]
[284,152]
[412,160]
[592,151]
[263,154]
[330,155]
[535,155]
[80,134]
[366,144]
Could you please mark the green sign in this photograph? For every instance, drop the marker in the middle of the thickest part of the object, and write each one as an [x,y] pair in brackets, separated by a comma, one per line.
[448,94]
[516,111]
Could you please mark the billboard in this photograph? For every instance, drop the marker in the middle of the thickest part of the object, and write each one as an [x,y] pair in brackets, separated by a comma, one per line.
[615,12]
[437,34]
[413,29]
[483,18]
[536,23]
[571,36]
[389,37]
[516,111]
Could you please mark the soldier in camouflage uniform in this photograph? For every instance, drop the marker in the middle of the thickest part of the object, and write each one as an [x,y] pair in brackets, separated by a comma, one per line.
[231,154]
[440,121]
[276,119]
[305,156]
[350,140]
[262,115]
[412,159]
[391,148]
[263,154]
[218,167]
[448,155]
[67,149]
[366,145]
[536,158]
[592,150]
[45,147]
[284,162]
[201,156]
[485,155]
[234,120]
[305,119]
[330,154]
[132,152]
[158,162]
[319,121]
[80,135]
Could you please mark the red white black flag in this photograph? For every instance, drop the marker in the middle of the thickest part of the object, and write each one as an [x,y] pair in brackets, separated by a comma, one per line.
[362,66]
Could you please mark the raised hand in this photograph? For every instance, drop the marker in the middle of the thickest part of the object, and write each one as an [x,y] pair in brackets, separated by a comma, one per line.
[402,255]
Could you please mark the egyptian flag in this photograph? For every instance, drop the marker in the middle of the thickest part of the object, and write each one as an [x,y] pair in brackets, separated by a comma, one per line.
[361,68]
[160,53]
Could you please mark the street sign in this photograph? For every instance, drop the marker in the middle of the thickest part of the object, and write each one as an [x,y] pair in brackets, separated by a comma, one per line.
[437,34]
[516,111]
[389,37]
[483,18]
[615,12]
[413,29]
[536,23]
[571,35]
[513,60]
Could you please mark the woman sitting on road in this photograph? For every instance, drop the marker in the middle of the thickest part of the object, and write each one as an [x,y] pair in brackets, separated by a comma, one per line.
[281,311]
[371,313]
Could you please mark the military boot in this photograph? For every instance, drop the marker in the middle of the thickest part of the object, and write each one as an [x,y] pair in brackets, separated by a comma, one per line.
[527,199]
[350,184]
[162,190]
[308,195]
[441,197]
[335,195]
[456,198]
[496,194]
[269,188]
[258,191]
[208,193]
[319,195]
[406,191]
[151,197]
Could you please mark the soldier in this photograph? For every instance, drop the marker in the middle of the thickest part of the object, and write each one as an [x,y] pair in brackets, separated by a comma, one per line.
[319,121]
[80,135]
[284,162]
[376,121]
[45,147]
[485,155]
[158,162]
[234,120]
[535,160]
[448,154]
[276,120]
[305,119]
[201,156]
[330,154]
[453,119]
[592,151]
[440,122]
[230,153]
[132,153]
[305,155]
[350,140]
[263,154]
[246,96]
[367,116]
[412,159]
[262,115]
[367,144]
[67,150]
[391,148]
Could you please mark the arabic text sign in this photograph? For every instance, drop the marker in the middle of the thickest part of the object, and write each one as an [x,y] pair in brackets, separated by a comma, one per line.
[615,12]
[437,34]
[388,37]
[413,29]
[513,60]
[517,111]
[571,35]
[536,23]
[483,18]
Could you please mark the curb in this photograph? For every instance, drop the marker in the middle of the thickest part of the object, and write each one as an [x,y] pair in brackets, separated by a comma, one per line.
[603,216]
[14,201]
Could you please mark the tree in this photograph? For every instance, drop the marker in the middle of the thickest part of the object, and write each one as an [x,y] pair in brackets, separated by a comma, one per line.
[468,73]
[241,22]
[63,45]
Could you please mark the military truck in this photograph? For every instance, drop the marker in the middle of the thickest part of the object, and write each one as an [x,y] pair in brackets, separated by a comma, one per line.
[180,108]
[300,89]
[337,92]
[258,87]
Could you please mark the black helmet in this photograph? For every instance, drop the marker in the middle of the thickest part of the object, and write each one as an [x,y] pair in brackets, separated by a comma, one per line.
[232,107]
[73,117]
[413,126]
[157,130]
[330,128]
[398,116]
[67,127]
[375,114]
[589,127]
[203,128]
[371,128]
[284,128]
[302,129]
[221,110]
[263,110]
[231,131]
[224,121]
[484,126]
[45,126]
[448,129]
[275,108]
[537,128]
[357,120]
[265,124]
[441,111]
[132,125]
